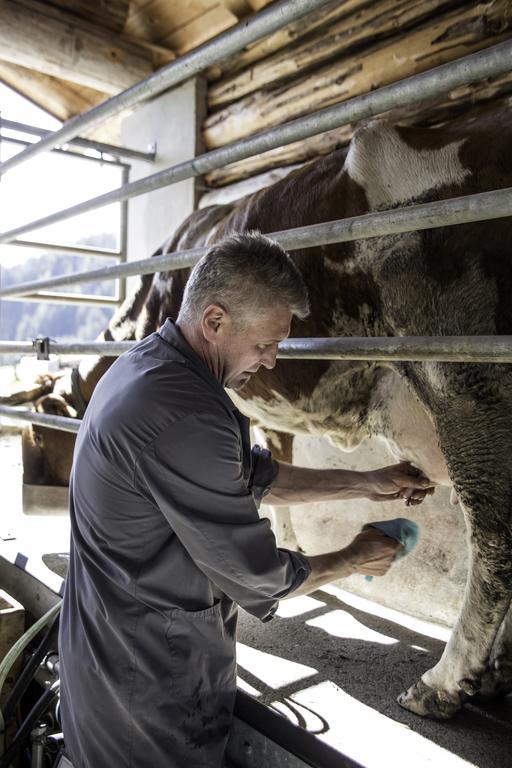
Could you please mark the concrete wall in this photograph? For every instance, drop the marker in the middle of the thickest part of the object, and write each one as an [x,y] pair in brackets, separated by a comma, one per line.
[429,582]
[171,121]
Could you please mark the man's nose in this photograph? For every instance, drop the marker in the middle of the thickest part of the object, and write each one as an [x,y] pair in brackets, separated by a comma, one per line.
[269,358]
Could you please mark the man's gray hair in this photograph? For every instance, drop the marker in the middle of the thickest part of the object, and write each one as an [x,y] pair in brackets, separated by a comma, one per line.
[246,274]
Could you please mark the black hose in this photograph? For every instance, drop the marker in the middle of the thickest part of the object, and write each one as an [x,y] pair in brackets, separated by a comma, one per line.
[23,733]
[28,671]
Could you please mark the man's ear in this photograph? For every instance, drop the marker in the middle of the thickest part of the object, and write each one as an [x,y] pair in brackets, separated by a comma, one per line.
[214,321]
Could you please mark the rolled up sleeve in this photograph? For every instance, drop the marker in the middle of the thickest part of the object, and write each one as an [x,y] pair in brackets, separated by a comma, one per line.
[263,473]
[193,473]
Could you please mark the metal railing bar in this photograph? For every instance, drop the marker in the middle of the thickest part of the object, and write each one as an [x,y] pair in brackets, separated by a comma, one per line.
[123,238]
[233,40]
[78,250]
[69,152]
[488,63]
[67,298]
[98,146]
[459,210]
[106,348]
[43,419]
[449,349]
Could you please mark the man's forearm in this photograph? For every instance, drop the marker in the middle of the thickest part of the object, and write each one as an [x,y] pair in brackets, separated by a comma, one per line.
[371,553]
[299,485]
[324,570]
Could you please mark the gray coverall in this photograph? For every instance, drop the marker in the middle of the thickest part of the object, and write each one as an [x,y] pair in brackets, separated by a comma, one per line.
[166,539]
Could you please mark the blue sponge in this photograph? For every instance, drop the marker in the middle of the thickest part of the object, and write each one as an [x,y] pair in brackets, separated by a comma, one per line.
[403,530]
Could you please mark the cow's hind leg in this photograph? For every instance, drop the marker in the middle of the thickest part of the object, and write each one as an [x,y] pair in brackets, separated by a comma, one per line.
[497,679]
[476,437]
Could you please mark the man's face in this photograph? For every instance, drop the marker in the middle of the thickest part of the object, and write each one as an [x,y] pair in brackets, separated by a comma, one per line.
[243,350]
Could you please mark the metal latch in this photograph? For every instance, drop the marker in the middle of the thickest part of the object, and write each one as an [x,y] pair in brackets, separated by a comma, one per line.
[41,346]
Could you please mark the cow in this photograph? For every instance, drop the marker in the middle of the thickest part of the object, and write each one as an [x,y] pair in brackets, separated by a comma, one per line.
[452,421]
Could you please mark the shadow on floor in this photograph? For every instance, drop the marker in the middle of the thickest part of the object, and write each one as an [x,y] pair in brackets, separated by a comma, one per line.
[366,661]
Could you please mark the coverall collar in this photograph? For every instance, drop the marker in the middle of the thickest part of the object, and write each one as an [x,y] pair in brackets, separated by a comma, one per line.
[173,336]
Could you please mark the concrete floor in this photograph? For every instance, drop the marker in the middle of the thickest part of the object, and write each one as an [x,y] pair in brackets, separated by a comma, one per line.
[336,668]
[332,662]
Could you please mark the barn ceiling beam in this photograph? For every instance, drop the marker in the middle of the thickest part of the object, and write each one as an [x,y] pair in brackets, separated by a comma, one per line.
[174,73]
[58,97]
[111,14]
[54,42]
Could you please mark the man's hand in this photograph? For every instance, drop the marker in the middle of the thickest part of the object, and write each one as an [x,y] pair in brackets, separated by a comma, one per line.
[399,481]
[372,552]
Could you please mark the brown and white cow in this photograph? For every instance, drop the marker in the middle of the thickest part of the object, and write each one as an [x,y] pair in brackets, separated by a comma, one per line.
[454,421]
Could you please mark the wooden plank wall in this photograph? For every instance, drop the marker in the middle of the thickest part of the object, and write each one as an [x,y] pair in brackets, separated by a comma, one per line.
[344,50]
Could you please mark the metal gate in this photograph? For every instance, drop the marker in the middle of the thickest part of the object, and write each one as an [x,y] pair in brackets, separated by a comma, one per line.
[490,62]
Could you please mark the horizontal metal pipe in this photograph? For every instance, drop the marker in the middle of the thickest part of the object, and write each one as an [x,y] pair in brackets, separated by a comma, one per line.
[16,347]
[450,349]
[43,419]
[488,63]
[268,21]
[61,151]
[97,146]
[67,298]
[105,348]
[457,210]
[78,250]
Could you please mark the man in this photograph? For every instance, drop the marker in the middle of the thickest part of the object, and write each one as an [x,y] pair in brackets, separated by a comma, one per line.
[166,538]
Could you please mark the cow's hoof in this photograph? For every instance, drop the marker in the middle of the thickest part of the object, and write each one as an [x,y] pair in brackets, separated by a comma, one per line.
[423,700]
[496,681]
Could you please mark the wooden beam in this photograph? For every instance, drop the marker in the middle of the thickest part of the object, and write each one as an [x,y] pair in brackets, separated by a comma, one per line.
[179,26]
[257,5]
[361,28]
[245,187]
[51,41]
[111,14]
[240,8]
[60,98]
[210,23]
[446,38]
[283,38]
[432,112]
